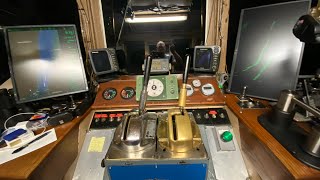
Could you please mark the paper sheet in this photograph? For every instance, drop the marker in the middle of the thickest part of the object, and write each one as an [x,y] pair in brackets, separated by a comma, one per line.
[7,155]
[96,144]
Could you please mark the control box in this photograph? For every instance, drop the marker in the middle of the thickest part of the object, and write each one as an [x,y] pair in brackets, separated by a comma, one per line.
[159,87]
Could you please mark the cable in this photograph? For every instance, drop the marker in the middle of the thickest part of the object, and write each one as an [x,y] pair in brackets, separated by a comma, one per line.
[28,113]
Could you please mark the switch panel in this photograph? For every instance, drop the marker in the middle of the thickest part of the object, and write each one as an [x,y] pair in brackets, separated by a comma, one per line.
[105,120]
[210,117]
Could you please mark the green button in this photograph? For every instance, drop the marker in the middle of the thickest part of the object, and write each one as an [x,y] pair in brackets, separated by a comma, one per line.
[226,136]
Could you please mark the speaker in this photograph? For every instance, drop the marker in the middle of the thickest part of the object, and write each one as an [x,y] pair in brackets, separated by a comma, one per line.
[59,118]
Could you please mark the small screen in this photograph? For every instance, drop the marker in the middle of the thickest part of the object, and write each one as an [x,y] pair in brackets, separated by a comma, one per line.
[267,55]
[45,61]
[101,61]
[203,58]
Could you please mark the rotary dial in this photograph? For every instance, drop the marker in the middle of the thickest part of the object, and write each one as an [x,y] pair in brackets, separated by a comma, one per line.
[155,88]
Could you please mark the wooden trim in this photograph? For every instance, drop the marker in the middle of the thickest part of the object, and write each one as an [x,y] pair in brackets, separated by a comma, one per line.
[92,25]
[197,99]
[217,22]
[216,30]
[271,159]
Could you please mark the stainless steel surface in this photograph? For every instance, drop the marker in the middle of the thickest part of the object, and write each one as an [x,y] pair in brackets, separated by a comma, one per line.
[298,117]
[221,164]
[134,138]
[89,163]
[143,97]
[221,145]
[228,165]
[312,145]
[285,103]
[250,104]
[186,70]
[306,107]
[243,95]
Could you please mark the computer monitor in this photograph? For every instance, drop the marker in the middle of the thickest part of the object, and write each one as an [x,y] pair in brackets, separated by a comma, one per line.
[45,61]
[267,55]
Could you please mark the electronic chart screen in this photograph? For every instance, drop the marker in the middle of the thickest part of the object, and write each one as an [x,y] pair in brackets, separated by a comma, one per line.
[45,61]
[101,61]
[203,58]
[267,55]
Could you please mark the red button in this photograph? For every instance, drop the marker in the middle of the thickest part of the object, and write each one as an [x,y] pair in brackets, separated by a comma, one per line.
[119,115]
[97,116]
[213,112]
[112,115]
[104,115]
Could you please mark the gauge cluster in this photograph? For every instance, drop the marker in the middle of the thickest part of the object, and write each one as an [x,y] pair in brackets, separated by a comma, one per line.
[159,88]
[125,93]
[206,89]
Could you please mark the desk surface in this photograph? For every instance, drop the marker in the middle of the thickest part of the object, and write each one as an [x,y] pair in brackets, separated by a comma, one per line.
[249,118]
[24,166]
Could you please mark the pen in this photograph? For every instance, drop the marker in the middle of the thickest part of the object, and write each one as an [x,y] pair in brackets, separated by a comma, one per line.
[26,145]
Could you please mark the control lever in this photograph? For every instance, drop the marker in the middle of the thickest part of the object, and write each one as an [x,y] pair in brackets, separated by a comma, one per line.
[243,95]
[183,90]
[144,93]
[179,132]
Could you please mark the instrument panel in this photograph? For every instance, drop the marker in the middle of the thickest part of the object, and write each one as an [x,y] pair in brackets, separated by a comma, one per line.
[125,92]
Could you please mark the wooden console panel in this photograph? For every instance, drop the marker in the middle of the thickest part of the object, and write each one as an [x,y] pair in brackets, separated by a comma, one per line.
[196,99]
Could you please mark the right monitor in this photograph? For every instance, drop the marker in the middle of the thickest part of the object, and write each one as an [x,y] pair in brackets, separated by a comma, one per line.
[206,58]
[267,55]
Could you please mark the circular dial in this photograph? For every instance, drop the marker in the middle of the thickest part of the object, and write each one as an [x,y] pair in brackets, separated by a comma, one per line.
[207,89]
[127,93]
[190,90]
[155,87]
[196,83]
[109,93]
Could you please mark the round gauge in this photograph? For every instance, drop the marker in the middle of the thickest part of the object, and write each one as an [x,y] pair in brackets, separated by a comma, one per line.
[190,90]
[109,93]
[127,93]
[196,83]
[207,89]
[155,87]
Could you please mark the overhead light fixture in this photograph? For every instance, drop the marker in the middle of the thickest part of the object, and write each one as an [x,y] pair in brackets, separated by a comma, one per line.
[156,18]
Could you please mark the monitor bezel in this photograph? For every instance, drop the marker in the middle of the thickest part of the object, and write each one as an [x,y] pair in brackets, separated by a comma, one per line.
[194,59]
[234,59]
[12,75]
[112,70]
